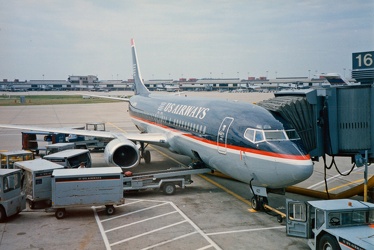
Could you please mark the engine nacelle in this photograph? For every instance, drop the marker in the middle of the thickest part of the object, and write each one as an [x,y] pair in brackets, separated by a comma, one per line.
[122,152]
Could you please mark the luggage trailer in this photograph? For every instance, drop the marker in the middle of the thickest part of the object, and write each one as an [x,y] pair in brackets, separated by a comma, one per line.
[165,180]
[84,187]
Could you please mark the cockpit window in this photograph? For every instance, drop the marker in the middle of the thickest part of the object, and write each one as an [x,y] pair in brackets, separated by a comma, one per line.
[275,135]
[259,135]
[254,135]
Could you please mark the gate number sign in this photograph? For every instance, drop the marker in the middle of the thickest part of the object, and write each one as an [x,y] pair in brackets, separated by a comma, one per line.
[363,60]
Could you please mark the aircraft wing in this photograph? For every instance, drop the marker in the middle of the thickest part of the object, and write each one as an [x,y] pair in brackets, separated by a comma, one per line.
[125,99]
[153,138]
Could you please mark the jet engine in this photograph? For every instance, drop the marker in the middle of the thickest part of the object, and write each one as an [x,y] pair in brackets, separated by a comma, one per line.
[122,152]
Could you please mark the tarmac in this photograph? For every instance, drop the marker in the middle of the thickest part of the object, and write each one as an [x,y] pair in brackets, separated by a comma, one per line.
[211,213]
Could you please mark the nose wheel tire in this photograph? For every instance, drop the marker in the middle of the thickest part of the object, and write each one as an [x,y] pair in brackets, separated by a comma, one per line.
[258,202]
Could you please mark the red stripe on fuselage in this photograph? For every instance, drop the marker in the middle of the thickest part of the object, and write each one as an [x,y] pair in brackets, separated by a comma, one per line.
[237,148]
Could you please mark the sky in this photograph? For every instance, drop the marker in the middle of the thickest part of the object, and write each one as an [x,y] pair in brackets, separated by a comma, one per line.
[52,39]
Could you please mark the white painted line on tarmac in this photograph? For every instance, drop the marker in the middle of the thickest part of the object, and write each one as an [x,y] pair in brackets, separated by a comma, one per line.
[246,230]
[337,176]
[149,232]
[185,219]
[196,227]
[137,211]
[103,235]
[141,221]
[171,240]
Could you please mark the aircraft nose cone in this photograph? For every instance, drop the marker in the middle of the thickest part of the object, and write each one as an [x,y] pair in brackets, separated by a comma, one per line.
[303,171]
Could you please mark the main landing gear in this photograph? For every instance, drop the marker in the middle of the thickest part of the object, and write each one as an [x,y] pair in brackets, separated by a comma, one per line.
[145,154]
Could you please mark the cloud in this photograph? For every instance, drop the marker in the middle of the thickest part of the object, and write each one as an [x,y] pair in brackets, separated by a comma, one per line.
[189,38]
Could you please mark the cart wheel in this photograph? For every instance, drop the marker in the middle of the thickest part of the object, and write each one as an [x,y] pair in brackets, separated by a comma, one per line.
[279,218]
[109,210]
[60,213]
[147,156]
[2,214]
[168,188]
[31,204]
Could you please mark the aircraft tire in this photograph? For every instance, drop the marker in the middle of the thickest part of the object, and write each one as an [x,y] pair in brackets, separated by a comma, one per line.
[147,156]
[255,203]
[328,242]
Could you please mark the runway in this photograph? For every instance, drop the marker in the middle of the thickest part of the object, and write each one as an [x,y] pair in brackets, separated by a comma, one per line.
[202,216]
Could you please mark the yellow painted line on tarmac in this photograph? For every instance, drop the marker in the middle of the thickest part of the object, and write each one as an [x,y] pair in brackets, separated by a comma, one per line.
[347,184]
[226,190]
[116,127]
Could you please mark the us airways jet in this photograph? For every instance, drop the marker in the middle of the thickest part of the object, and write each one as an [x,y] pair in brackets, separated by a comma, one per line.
[241,140]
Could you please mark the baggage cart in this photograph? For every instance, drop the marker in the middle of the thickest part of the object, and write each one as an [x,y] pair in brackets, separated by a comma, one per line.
[36,180]
[165,180]
[86,187]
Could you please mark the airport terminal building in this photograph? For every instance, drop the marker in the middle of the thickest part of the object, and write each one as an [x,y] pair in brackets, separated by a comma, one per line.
[92,83]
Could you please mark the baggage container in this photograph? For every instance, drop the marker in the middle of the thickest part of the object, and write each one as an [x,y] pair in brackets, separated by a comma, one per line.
[9,158]
[36,180]
[71,158]
[86,187]
[58,147]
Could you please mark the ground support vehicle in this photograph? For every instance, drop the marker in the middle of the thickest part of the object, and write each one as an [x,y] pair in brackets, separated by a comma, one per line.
[36,141]
[9,158]
[12,199]
[71,158]
[36,180]
[332,224]
[90,142]
[86,187]
[166,180]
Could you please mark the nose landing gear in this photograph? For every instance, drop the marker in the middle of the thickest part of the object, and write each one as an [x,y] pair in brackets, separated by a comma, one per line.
[258,202]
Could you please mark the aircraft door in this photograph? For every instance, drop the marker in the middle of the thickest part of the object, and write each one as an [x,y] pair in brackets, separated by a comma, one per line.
[297,219]
[222,135]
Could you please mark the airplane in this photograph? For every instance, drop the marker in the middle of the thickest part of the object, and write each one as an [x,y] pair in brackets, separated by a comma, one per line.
[241,140]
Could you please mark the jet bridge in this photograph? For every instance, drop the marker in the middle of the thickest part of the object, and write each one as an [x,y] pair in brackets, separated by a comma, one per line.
[337,121]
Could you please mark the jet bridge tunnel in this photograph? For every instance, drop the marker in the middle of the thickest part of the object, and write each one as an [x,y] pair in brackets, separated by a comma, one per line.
[336,121]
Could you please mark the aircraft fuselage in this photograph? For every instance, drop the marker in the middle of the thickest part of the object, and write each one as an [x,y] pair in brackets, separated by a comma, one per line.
[242,140]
